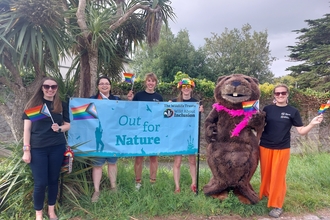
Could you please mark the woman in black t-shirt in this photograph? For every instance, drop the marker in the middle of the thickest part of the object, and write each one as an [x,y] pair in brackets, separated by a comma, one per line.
[45,144]
[275,147]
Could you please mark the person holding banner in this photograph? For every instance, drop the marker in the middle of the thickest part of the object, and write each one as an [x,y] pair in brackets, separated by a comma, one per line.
[148,94]
[44,142]
[104,92]
[275,147]
[185,87]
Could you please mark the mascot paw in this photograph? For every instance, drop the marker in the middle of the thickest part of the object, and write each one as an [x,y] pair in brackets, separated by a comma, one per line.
[211,133]
[257,120]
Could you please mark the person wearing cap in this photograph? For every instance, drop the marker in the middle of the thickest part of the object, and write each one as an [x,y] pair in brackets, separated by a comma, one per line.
[185,87]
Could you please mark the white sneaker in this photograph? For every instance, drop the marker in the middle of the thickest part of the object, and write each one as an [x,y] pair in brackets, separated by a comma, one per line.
[138,186]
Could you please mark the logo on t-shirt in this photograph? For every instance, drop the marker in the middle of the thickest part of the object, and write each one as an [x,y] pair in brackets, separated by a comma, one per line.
[285,115]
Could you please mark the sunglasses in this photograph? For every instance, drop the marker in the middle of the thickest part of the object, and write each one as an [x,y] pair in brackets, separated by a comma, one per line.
[280,93]
[186,86]
[48,87]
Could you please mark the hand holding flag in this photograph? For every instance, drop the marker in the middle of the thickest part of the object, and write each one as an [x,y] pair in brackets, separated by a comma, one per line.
[129,78]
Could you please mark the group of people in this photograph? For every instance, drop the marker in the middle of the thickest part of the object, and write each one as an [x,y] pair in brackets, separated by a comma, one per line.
[44,143]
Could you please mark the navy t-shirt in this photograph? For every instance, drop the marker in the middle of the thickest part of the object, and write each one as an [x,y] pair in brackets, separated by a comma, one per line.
[144,96]
[279,120]
[42,135]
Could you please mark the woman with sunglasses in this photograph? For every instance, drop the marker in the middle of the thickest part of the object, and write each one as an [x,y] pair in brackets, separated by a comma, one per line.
[185,87]
[275,147]
[104,92]
[45,144]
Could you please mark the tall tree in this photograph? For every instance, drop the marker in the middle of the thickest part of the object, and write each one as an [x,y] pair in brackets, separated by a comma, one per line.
[31,40]
[35,34]
[172,54]
[312,49]
[111,15]
[239,51]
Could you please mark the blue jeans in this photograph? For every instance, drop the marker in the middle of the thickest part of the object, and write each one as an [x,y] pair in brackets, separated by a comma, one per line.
[46,166]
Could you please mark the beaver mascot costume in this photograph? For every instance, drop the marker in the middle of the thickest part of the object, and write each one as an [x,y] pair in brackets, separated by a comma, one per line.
[233,135]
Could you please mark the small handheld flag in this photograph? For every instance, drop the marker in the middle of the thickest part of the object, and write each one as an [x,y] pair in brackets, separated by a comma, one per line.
[87,111]
[38,112]
[251,106]
[129,78]
[45,111]
[323,107]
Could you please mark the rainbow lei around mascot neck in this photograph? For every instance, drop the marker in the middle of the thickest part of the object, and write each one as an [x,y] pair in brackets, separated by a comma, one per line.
[235,113]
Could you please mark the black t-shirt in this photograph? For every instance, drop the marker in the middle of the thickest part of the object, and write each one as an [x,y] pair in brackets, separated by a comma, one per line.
[42,135]
[187,100]
[144,96]
[279,121]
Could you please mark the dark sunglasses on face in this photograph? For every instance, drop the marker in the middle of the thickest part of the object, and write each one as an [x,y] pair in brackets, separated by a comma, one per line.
[50,86]
[280,93]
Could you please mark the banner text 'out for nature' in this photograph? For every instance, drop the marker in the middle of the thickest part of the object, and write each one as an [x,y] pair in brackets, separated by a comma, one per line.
[116,128]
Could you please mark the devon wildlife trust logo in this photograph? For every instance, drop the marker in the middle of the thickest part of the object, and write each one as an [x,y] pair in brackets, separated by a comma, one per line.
[168,113]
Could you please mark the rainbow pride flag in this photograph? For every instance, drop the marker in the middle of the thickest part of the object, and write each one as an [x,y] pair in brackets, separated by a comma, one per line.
[251,106]
[38,112]
[87,111]
[323,107]
[129,77]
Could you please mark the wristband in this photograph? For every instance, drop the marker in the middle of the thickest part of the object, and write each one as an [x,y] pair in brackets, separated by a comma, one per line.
[59,129]
[26,147]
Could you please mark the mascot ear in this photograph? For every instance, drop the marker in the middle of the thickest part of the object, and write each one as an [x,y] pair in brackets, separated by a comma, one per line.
[255,80]
[220,78]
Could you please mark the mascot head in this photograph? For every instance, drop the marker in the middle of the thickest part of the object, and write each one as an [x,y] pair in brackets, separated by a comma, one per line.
[234,89]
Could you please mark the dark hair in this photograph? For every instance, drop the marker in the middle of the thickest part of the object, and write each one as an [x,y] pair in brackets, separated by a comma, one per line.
[102,77]
[98,81]
[38,95]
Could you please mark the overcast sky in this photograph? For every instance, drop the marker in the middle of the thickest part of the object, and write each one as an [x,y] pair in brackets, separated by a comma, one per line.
[278,17]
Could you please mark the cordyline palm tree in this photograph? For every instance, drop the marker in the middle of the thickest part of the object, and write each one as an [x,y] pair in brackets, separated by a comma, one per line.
[31,39]
[35,34]
[109,30]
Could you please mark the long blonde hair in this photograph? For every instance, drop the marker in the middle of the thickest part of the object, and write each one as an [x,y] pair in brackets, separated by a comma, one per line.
[38,95]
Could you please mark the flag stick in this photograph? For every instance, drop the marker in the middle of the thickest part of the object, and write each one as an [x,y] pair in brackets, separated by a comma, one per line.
[198,150]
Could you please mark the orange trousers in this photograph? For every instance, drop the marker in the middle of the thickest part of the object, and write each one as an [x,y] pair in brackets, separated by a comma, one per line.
[273,167]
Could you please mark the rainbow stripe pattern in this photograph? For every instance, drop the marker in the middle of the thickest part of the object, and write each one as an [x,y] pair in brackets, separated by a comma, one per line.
[38,112]
[323,107]
[129,77]
[251,106]
[87,111]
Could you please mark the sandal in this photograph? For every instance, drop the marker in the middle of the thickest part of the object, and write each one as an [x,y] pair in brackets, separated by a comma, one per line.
[193,188]
[276,212]
[177,191]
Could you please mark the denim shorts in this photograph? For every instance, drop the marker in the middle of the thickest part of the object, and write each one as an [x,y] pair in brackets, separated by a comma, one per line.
[99,161]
